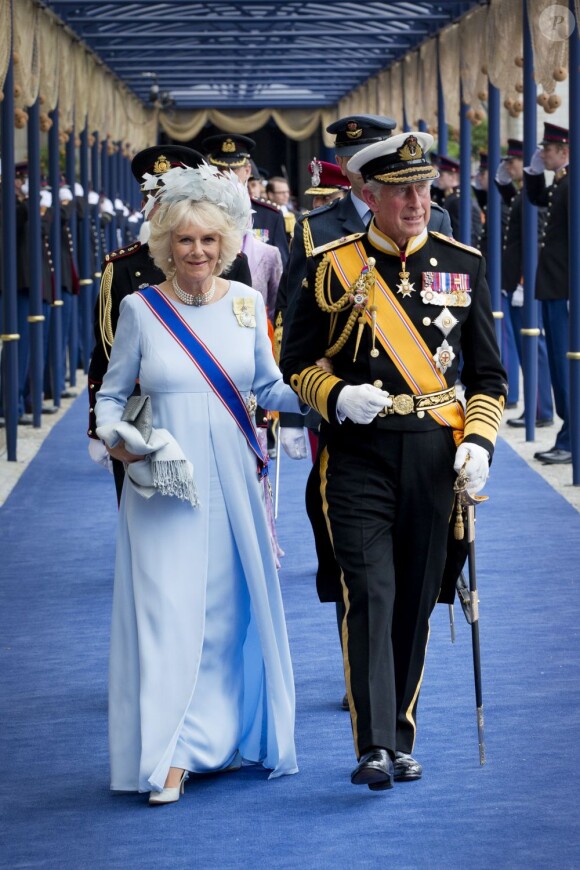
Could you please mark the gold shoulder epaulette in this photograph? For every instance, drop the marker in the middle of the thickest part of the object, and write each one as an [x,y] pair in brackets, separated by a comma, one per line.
[122,252]
[457,244]
[336,243]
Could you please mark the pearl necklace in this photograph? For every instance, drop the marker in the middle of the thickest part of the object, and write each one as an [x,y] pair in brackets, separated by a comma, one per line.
[193,298]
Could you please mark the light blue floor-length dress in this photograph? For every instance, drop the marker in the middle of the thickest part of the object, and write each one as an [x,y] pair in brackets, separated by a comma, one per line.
[200,664]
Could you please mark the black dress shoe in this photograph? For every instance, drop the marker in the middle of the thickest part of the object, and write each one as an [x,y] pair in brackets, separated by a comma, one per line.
[344,703]
[557,457]
[406,768]
[520,423]
[375,769]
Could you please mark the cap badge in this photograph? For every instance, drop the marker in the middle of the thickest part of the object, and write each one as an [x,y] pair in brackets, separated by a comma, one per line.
[353,131]
[316,169]
[410,149]
[161,165]
[229,146]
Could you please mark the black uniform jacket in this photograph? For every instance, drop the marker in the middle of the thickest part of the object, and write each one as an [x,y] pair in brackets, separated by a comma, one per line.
[552,275]
[325,224]
[123,272]
[452,204]
[473,337]
[268,218]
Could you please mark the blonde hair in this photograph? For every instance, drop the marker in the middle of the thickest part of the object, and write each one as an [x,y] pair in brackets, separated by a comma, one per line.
[175,216]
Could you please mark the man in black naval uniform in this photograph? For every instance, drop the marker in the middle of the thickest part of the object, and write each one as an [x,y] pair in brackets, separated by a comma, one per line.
[232,151]
[129,269]
[341,218]
[393,310]
[448,184]
[552,274]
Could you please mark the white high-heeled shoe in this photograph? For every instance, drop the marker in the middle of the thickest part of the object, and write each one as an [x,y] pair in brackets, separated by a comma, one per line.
[169,795]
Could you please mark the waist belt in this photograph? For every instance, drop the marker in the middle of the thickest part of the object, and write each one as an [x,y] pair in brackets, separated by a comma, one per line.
[405,403]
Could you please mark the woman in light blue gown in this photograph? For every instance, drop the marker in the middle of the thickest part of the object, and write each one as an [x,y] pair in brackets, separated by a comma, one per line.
[200,671]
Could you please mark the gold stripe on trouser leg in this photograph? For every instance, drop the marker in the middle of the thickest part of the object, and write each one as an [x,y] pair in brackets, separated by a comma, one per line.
[408,711]
[323,465]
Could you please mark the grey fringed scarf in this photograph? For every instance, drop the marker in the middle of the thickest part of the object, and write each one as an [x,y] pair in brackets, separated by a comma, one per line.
[165,469]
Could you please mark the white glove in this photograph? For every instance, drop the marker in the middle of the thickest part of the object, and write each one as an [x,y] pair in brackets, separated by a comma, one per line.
[518,297]
[502,175]
[536,166]
[477,467]
[361,404]
[99,454]
[293,441]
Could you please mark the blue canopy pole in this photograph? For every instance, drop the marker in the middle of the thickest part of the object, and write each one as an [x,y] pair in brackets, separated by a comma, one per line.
[494,208]
[72,344]
[464,174]
[9,332]
[85,276]
[55,340]
[442,133]
[422,126]
[97,187]
[529,331]
[35,316]
[574,235]
[105,190]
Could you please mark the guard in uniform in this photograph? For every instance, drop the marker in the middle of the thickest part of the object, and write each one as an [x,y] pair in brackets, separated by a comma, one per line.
[449,184]
[232,151]
[129,269]
[510,171]
[552,275]
[393,309]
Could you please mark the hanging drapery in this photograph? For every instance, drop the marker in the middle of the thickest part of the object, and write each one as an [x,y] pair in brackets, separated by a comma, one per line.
[549,31]
[449,69]
[411,88]
[384,93]
[427,91]
[26,54]
[473,32]
[297,124]
[396,99]
[505,50]
[5,40]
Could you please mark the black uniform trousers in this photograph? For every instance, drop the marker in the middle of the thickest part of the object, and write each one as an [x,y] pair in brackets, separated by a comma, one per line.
[388,497]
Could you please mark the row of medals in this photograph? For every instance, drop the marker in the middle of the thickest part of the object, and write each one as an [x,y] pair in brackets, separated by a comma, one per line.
[445,321]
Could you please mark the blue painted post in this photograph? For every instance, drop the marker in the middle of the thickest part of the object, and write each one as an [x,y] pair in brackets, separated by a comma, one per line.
[530,331]
[35,316]
[55,340]
[464,174]
[422,126]
[72,341]
[96,182]
[574,231]
[106,191]
[493,226]
[85,276]
[9,331]
[442,132]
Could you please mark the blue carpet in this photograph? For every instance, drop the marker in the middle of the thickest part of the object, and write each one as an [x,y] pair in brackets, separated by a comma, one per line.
[519,811]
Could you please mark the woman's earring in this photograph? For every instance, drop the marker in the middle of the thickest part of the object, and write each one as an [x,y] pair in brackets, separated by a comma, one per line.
[170,259]
[219,259]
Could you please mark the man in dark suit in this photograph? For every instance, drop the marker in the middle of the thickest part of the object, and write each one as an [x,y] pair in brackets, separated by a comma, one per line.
[129,269]
[394,309]
[232,151]
[552,275]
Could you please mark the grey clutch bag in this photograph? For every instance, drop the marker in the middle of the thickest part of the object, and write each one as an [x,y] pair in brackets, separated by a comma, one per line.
[138,412]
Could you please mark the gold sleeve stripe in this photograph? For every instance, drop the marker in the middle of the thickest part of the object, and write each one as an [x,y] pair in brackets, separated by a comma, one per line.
[307,236]
[483,416]
[313,385]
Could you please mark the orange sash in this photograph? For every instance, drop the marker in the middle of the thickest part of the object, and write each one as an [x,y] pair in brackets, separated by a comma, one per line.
[397,335]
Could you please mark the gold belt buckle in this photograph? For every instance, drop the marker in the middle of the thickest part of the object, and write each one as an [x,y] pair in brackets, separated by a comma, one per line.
[403,404]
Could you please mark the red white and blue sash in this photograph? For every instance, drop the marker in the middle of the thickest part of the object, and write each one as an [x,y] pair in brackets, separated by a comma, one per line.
[211,369]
